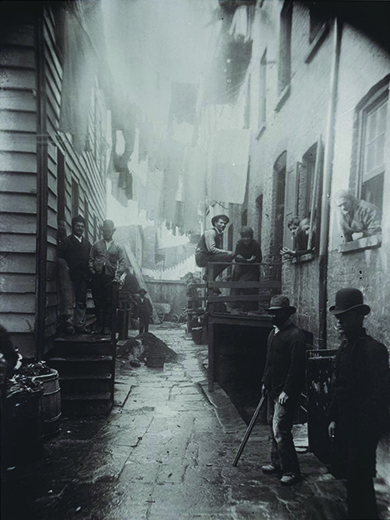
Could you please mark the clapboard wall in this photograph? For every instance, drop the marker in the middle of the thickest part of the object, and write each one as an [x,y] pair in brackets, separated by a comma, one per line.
[31,83]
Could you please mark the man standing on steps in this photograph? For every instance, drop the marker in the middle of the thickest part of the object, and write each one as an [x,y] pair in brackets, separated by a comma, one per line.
[75,249]
[106,264]
[209,248]
[283,379]
[359,411]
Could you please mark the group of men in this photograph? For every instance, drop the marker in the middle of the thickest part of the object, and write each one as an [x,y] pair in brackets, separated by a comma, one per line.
[98,266]
[359,411]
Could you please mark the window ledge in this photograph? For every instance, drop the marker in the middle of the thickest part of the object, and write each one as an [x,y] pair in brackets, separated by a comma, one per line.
[283,97]
[316,43]
[361,244]
[304,258]
[260,131]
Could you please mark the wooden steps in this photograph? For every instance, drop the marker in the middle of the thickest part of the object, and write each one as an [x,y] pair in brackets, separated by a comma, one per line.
[86,367]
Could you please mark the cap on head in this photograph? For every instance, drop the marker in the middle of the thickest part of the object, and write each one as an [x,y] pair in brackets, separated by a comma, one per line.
[347,299]
[108,224]
[215,219]
[142,291]
[77,219]
[279,302]
[246,231]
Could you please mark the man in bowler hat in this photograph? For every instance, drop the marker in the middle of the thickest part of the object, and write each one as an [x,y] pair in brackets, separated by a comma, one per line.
[283,379]
[106,264]
[359,410]
[144,310]
[75,249]
[209,248]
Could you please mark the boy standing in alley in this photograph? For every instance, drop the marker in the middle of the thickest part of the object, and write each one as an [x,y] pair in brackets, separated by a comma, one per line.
[145,310]
[106,264]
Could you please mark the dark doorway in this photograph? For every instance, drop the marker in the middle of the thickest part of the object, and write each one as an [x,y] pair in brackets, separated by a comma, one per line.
[60,186]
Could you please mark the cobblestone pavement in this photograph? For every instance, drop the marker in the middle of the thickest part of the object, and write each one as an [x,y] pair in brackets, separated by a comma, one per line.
[165,453]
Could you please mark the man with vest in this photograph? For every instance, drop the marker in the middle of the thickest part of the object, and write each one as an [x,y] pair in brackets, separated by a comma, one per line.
[106,264]
[209,247]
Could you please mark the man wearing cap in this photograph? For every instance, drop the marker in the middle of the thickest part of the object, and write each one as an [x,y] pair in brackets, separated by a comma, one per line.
[75,250]
[209,248]
[359,410]
[106,263]
[283,379]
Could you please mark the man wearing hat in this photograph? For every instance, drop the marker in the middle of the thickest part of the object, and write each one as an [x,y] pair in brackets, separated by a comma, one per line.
[359,411]
[144,310]
[283,379]
[75,249]
[209,248]
[106,263]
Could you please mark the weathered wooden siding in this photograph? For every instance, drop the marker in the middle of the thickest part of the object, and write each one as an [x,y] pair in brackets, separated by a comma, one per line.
[19,148]
[18,181]
[81,169]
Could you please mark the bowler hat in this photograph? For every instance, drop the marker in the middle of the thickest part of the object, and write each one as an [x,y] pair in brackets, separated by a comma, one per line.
[142,291]
[217,217]
[347,299]
[280,302]
[108,224]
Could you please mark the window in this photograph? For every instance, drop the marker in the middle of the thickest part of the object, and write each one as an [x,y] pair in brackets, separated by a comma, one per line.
[285,46]
[263,89]
[75,198]
[61,192]
[244,218]
[318,17]
[86,216]
[373,147]
[306,187]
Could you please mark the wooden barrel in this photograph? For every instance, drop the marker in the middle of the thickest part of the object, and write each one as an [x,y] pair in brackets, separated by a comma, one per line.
[23,428]
[51,402]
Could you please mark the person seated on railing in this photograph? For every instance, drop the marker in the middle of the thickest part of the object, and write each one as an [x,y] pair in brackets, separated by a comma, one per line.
[300,234]
[247,253]
[209,248]
[357,218]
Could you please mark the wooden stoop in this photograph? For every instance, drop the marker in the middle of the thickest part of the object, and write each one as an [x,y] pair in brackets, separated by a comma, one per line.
[86,367]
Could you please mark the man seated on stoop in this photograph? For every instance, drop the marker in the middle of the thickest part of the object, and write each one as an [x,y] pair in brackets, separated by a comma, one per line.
[283,379]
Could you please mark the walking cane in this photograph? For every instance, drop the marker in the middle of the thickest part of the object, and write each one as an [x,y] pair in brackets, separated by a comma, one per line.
[249,430]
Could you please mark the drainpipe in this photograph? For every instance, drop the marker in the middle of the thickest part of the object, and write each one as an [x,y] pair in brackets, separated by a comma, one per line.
[42,186]
[327,183]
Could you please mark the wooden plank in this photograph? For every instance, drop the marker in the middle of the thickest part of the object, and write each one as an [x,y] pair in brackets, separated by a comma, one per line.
[17,283]
[18,121]
[17,223]
[18,142]
[52,153]
[52,201]
[16,78]
[17,303]
[52,181]
[18,162]
[19,100]
[21,57]
[52,116]
[54,56]
[18,203]
[18,243]
[18,322]
[18,182]
[18,35]
[52,219]
[53,96]
[51,69]
[51,252]
[17,263]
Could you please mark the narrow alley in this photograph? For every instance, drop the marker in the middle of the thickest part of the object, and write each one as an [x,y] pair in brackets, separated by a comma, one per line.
[165,453]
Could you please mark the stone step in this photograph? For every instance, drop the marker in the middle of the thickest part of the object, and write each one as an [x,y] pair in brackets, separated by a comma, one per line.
[81,365]
[82,405]
[82,345]
[85,384]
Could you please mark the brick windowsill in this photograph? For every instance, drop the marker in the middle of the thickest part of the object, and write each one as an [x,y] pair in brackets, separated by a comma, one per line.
[284,95]
[304,258]
[361,244]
